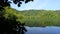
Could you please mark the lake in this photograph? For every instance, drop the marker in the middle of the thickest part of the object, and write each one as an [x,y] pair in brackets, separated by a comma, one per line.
[43,30]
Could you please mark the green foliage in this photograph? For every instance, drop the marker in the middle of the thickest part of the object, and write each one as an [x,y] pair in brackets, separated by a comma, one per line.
[35,17]
[41,17]
[10,19]
[11,16]
[9,11]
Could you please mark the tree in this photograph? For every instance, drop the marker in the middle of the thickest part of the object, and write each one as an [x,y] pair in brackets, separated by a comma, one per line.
[7,24]
[4,3]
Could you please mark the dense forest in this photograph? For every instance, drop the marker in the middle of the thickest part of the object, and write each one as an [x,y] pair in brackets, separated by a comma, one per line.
[42,17]
[35,17]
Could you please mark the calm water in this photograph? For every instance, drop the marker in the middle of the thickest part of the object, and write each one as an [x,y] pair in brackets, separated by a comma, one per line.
[43,30]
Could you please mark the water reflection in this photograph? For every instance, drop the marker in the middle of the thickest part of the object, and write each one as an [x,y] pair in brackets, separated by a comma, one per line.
[43,30]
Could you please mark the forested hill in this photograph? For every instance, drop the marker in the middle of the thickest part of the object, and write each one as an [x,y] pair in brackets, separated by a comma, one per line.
[36,17]
[42,17]
[38,12]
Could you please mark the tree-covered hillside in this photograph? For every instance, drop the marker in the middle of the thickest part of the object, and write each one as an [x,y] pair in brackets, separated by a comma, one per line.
[35,17]
[42,17]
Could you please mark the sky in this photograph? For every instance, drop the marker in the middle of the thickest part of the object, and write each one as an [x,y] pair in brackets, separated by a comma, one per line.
[38,5]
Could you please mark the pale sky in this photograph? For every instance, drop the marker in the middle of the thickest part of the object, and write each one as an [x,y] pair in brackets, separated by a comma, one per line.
[39,4]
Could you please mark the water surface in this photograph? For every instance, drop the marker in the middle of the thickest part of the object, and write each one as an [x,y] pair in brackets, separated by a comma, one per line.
[43,30]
